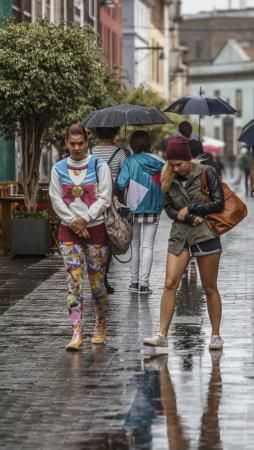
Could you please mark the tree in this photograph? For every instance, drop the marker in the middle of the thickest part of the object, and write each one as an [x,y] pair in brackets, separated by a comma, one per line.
[48,74]
[148,97]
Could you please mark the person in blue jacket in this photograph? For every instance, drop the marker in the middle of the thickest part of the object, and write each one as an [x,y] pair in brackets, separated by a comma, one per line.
[141,173]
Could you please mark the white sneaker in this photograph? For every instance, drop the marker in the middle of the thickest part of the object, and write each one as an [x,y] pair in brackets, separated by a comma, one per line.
[216,343]
[157,341]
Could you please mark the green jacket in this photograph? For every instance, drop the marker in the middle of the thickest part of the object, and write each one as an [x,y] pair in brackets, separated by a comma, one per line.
[177,198]
[245,162]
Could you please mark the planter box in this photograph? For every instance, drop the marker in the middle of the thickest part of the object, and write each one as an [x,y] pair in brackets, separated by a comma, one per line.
[30,236]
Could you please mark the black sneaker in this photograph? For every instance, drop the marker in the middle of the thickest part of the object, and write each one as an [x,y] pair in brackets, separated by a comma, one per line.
[134,287]
[145,290]
[109,289]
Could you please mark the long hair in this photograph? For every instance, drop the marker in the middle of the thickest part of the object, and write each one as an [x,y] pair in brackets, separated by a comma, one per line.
[167,175]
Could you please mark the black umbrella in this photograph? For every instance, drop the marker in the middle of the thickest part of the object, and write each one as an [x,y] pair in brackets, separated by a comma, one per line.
[125,114]
[247,134]
[201,105]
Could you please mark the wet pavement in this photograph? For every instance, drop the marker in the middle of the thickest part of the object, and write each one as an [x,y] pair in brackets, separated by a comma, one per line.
[20,275]
[116,396]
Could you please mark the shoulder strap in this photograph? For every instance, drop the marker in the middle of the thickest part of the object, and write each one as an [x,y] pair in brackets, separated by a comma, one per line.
[203,179]
[114,154]
[95,168]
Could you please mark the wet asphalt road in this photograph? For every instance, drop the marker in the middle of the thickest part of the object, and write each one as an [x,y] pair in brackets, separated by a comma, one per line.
[116,396]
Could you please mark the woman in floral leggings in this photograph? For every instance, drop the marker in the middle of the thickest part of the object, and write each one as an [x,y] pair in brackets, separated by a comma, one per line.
[80,202]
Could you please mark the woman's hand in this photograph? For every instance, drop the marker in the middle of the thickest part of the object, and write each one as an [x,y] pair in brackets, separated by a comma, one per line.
[77,225]
[181,216]
[198,220]
[84,234]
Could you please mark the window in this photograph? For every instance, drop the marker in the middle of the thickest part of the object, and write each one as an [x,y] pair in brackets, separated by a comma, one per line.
[216,133]
[39,9]
[198,49]
[48,9]
[238,101]
[77,11]
[158,13]
[22,10]
[216,94]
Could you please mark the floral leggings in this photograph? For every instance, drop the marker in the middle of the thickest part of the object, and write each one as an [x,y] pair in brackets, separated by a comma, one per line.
[75,256]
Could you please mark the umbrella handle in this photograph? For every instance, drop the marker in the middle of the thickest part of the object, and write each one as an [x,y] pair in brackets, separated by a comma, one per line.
[199,127]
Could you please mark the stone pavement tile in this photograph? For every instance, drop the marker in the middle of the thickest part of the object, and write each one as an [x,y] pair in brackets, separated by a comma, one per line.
[20,275]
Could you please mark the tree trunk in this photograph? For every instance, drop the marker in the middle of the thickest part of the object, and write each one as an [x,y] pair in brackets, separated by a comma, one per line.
[31,152]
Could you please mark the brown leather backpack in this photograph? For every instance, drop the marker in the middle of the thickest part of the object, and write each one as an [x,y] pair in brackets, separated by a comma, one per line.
[234,209]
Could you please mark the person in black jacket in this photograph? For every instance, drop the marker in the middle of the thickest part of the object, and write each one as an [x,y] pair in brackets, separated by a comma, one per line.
[190,235]
[196,147]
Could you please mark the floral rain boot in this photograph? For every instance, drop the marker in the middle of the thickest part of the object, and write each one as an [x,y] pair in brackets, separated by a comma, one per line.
[76,340]
[99,334]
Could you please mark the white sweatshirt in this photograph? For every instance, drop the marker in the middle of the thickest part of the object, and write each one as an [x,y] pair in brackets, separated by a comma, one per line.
[94,215]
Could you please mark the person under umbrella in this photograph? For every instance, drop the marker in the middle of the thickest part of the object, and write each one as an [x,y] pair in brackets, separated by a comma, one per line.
[140,174]
[107,150]
[200,105]
[196,147]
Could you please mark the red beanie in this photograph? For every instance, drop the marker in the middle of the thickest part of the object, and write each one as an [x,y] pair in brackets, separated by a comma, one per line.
[178,149]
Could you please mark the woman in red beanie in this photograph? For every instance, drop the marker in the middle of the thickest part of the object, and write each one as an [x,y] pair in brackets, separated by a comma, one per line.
[189,236]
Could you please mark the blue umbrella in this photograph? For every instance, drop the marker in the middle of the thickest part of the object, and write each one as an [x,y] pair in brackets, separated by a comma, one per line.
[201,105]
[247,134]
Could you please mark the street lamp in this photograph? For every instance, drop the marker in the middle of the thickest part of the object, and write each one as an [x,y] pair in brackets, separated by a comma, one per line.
[154,48]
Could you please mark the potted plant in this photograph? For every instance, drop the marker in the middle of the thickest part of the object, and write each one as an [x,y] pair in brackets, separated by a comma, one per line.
[30,231]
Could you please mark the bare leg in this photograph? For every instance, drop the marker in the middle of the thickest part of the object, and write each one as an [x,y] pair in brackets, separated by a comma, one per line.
[175,268]
[208,268]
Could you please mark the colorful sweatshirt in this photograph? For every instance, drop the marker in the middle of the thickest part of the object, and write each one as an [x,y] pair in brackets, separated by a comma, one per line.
[74,191]
[141,174]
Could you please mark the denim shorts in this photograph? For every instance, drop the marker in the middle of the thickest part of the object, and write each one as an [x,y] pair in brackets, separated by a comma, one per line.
[204,248]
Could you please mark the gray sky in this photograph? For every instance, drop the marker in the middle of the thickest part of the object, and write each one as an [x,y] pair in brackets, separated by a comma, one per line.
[194,6]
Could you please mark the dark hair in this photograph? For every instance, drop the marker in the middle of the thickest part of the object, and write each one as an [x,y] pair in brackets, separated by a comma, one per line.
[140,141]
[76,129]
[107,132]
[185,128]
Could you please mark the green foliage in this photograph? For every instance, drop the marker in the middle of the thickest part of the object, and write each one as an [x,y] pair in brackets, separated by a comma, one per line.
[147,97]
[44,71]
[107,94]
[49,75]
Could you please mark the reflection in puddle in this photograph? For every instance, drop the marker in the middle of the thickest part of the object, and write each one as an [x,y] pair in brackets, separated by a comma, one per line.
[156,400]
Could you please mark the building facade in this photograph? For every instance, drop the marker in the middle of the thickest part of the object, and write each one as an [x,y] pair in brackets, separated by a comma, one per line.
[220,57]
[178,59]
[230,76]
[151,49]
[111,34]
[7,148]
[136,42]
[207,32]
